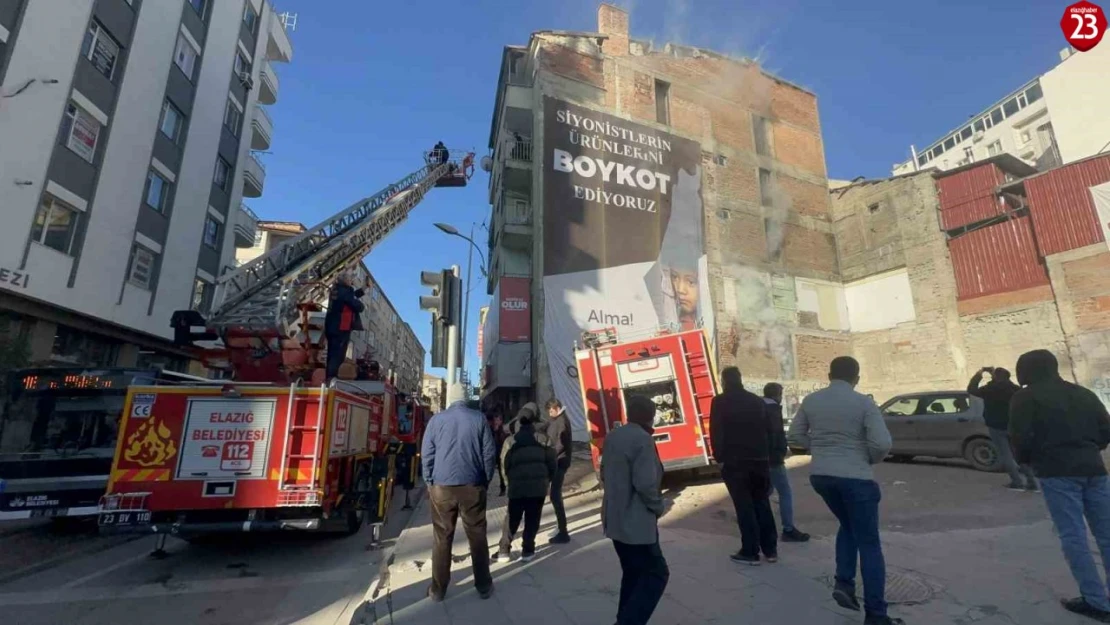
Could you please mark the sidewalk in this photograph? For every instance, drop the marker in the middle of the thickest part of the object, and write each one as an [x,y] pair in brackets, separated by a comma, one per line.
[1012,575]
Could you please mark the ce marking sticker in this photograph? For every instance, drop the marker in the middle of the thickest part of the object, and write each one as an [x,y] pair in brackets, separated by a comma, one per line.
[141,405]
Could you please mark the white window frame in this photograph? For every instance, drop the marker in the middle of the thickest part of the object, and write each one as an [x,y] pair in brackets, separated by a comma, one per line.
[994,148]
[192,53]
[206,292]
[50,203]
[252,25]
[137,250]
[166,190]
[75,114]
[216,170]
[179,126]
[215,244]
[100,35]
[236,128]
[203,10]
[242,65]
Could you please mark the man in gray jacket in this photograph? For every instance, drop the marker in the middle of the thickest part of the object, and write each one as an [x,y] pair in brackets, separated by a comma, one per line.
[630,511]
[845,434]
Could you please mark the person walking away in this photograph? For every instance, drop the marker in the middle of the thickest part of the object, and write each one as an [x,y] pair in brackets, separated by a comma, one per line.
[343,317]
[741,435]
[996,396]
[497,425]
[780,480]
[530,466]
[632,504]
[557,432]
[458,459]
[1061,429]
[845,434]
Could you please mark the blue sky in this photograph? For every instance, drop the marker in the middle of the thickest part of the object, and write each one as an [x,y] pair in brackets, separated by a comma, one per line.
[372,84]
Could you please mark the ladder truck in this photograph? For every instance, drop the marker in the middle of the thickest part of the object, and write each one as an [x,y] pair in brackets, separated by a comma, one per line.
[276,447]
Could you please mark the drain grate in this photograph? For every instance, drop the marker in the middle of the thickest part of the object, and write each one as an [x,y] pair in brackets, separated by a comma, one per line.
[901,588]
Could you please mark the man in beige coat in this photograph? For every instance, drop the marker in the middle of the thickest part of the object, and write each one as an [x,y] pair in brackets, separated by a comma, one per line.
[630,511]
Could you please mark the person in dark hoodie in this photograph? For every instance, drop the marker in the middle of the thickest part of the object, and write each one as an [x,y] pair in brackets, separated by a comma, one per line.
[742,435]
[556,429]
[1061,429]
[780,480]
[343,317]
[529,467]
[996,396]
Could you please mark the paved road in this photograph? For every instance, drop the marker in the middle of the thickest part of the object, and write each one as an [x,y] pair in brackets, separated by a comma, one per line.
[244,580]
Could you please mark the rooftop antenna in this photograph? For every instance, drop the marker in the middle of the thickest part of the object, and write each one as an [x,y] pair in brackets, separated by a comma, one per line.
[289,21]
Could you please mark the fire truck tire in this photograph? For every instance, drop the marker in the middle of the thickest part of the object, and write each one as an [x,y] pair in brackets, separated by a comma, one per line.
[354,523]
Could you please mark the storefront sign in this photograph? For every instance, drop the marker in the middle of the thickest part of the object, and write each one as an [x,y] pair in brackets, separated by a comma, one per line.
[12,278]
[515,319]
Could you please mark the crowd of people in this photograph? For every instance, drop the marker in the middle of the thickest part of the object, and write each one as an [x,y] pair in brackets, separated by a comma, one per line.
[1046,429]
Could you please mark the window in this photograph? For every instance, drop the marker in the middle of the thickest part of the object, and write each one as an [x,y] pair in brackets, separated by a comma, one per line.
[200,6]
[185,56]
[937,151]
[202,295]
[55,223]
[922,159]
[965,133]
[662,106]
[211,232]
[765,182]
[1034,93]
[80,131]
[903,407]
[969,154]
[762,130]
[949,143]
[979,126]
[257,237]
[242,65]
[222,173]
[157,191]
[996,116]
[947,404]
[172,122]
[1010,107]
[994,148]
[142,267]
[233,117]
[100,49]
[250,18]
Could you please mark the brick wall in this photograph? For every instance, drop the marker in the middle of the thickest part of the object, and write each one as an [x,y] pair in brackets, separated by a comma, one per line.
[1088,284]
[816,352]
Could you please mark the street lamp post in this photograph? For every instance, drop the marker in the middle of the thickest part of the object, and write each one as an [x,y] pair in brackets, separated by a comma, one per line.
[453,231]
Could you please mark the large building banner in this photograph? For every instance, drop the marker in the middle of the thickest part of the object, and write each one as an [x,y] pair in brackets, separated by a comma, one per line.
[623,244]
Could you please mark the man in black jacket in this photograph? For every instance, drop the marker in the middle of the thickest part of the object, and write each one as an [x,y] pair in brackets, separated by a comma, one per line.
[996,396]
[780,480]
[343,317]
[1061,429]
[742,436]
[529,466]
[557,432]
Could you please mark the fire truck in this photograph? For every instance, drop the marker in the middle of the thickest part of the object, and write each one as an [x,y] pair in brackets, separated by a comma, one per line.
[674,369]
[277,447]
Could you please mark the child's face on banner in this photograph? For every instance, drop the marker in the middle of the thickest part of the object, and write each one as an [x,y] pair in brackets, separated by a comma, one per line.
[685,285]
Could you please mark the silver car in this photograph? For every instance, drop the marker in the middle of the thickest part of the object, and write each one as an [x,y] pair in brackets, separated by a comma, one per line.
[940,424]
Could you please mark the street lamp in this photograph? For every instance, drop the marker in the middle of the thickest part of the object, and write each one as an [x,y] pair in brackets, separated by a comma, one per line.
[453,231]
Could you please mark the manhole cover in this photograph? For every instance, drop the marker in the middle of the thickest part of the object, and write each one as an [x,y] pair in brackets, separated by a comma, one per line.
[901,588]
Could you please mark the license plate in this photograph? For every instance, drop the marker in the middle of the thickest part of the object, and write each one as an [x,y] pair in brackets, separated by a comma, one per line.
[125,518]
[49,512]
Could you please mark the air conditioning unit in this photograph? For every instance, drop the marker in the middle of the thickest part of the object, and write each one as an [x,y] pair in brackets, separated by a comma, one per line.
[246,80]
[978,136]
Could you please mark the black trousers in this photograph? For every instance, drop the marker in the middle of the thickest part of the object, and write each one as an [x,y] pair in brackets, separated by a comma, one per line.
[448,504]
[557,497]
[529,509]
[749,486]
[644,575]
[337,352]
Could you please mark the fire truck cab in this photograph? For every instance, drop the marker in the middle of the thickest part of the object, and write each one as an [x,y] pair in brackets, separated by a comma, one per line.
[672,369]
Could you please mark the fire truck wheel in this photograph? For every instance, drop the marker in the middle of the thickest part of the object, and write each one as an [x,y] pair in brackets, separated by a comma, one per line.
[354,522]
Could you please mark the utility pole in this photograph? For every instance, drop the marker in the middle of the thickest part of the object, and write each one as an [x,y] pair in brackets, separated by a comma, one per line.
[466,305]
[452,351]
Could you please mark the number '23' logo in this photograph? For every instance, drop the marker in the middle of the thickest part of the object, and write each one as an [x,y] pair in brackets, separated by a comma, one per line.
[1084,24]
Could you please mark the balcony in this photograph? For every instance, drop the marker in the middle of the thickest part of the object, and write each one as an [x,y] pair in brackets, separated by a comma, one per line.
[278,47]
[262,128]
[268,84]
[254,176]
[512,166]
[246,225]
[513,222]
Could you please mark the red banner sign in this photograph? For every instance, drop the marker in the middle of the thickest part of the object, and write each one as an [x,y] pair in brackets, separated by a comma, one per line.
[515,314]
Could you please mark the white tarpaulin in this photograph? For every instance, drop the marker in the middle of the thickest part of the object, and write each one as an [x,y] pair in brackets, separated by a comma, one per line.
[1101,195]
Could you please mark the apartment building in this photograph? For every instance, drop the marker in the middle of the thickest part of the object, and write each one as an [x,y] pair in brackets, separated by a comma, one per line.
[1056,118]
[434,391]
[129,135]
[388,339]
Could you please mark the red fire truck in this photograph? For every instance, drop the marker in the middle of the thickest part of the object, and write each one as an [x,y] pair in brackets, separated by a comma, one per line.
[276,447]
[674,370]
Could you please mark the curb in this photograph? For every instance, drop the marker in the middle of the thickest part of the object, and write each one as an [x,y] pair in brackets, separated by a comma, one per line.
[379,588]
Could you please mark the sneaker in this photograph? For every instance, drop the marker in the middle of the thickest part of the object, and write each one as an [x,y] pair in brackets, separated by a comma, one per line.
[743,559]
[793,535]
[485,594]
[527,556]
[773,558]
[1080,606]
[846,598]
[502,555]
[561,538]
[882,620]
[433,596]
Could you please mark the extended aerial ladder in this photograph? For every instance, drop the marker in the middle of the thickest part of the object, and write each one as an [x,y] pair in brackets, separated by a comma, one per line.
[266,312]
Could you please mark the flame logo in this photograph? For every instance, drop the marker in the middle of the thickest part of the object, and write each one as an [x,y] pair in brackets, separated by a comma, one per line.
[150,445]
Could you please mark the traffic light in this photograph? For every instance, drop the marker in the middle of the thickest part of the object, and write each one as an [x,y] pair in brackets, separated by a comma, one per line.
[445,305]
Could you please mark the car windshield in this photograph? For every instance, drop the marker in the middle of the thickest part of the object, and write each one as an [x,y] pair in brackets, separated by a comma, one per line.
[62,424]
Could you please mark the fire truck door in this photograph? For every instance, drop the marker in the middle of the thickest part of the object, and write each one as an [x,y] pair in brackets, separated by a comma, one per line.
[658,379]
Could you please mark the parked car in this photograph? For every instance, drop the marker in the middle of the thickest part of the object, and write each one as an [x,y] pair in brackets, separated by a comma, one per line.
[940,424]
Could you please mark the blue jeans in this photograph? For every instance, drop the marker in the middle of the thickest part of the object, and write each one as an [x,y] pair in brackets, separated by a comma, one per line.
[780,481]
[855,503]
[1069,500]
